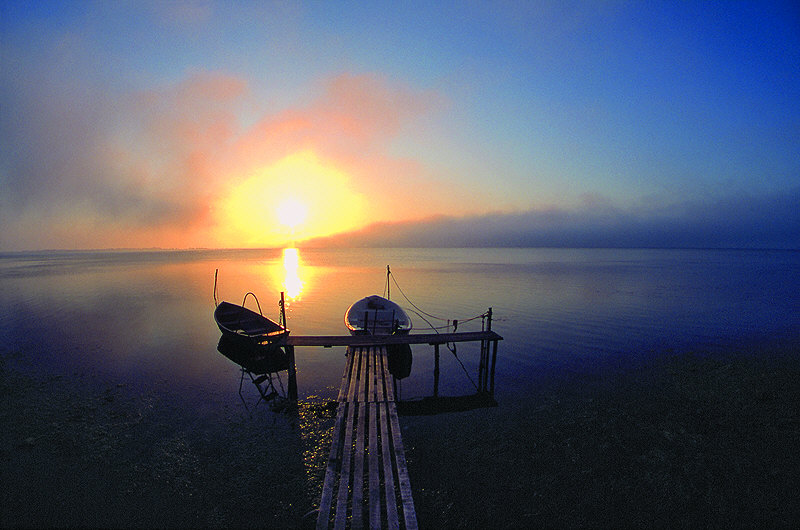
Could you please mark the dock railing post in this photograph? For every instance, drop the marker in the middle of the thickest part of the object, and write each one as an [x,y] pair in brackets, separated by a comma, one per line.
[483,366]
[292,390]
[489,372]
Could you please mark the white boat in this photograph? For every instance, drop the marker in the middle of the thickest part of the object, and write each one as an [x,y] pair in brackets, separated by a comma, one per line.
[375,315]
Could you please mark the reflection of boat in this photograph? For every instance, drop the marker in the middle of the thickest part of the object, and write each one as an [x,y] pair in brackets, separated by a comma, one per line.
[259,361]
[375,315]
[252,356]
[400,358]
[238,322]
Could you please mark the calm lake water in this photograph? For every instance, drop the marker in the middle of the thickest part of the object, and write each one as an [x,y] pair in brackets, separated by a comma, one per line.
[137,328]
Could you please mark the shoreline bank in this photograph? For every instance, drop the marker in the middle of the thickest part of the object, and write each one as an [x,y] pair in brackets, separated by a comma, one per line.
[702,438]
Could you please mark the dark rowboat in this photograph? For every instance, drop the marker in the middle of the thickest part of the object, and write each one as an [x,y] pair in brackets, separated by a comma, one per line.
[239,323]
[236,322]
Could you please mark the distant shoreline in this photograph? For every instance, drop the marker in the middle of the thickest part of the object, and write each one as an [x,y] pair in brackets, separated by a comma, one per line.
[301,246]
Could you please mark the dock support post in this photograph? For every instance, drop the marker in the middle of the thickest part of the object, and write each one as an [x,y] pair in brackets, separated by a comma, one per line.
[292,390]
[483,365]
[494,361]
[480,366]
[435,370]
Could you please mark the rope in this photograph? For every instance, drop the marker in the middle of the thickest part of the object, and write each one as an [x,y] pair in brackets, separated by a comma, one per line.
[428,322]
[463,368]
[250,293]
[419,312]
[452,349]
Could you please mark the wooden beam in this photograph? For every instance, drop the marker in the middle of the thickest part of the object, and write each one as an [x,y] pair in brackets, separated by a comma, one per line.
[292,390]
[382,340]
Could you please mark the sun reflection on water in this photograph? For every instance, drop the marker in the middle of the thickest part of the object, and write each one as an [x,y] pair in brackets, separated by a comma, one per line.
[292,284]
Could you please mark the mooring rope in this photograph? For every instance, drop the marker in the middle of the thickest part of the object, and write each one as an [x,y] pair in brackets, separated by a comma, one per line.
[419,312]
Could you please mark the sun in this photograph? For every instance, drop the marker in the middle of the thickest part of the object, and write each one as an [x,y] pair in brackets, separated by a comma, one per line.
[291,212]
[298,197]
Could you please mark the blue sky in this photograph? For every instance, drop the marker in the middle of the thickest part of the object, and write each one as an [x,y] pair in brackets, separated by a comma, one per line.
[125,123]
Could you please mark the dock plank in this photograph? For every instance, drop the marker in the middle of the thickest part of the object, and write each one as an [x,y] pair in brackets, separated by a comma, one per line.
[358,470]
[380,357]
[345,386]
[403,480]
[366,467]
[386,449]
[344,474]
[331,473]
[374,474]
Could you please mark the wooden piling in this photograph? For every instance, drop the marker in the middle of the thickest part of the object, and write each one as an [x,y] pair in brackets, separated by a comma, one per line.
[292,390]
[289,349]
[435,370]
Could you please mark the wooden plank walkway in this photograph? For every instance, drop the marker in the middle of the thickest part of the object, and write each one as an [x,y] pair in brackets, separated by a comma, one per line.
[366,481]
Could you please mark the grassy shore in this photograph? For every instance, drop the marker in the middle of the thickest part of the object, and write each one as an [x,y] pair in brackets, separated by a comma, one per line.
[680,440]
[701,439]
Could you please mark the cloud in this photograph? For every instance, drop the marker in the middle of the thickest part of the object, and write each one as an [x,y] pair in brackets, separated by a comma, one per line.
[138,161]
[353,115]
[145,168]
[351,124]
[109,166]
[736,221]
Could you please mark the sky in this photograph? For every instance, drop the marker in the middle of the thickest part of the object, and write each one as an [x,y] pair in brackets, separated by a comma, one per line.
[184,124]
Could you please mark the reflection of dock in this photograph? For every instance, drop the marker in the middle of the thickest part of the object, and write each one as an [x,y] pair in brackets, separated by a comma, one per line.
[366,480]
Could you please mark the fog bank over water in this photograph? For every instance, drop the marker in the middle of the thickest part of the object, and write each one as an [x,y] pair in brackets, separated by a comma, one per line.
[736,221]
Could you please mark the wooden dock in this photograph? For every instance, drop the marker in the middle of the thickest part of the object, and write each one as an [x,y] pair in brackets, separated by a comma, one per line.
[366,478]
[366,481]
[486,338]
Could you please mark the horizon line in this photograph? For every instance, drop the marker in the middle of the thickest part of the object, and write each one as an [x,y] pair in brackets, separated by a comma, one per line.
[356,247]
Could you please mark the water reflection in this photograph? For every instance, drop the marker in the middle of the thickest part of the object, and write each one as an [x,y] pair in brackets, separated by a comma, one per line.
[262,364]
[292,283]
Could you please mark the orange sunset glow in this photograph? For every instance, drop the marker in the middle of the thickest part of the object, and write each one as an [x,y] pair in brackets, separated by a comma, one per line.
[245,125]
[296,198]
